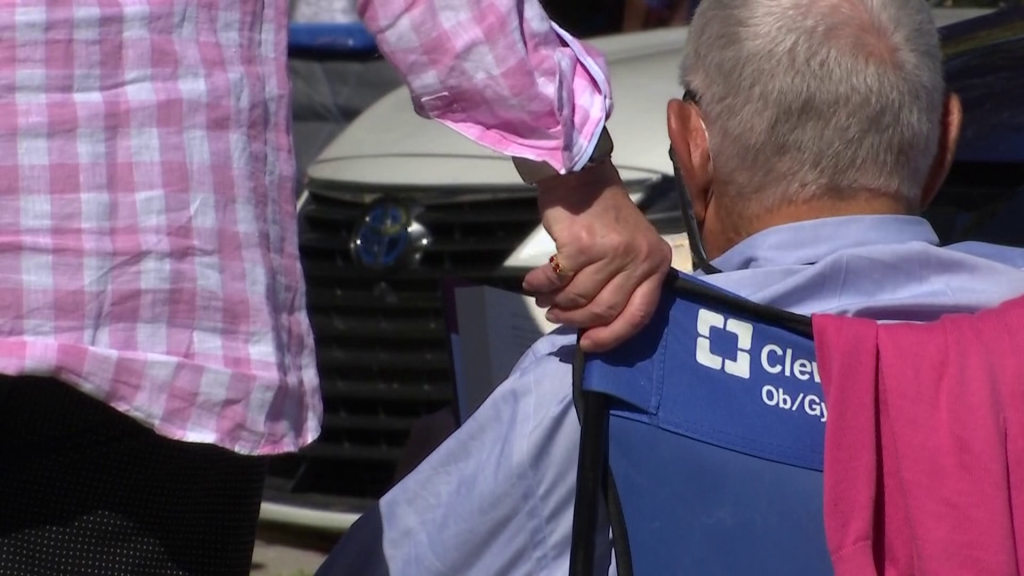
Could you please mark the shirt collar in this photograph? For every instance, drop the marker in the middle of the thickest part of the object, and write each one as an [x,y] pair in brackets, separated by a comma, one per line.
[809,241]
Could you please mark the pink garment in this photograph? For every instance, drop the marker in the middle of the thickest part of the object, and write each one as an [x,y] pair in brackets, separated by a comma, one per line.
[498,72]
[148,242]
[149,248]
[924,450]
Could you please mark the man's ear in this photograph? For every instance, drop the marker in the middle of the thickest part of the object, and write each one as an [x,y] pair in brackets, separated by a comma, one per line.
[952,117]
[693,157]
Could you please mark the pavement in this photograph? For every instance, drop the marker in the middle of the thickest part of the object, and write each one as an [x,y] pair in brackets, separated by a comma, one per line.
[286,551]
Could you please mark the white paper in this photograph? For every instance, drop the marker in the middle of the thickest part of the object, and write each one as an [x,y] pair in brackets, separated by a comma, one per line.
[496,327]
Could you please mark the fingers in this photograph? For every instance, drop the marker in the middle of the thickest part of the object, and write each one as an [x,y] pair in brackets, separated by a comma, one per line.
[622,307]
[545,283]
[599,293]
[617,284]
[602,309]
[570,291]
[542,281]
[637,312]
[585,287]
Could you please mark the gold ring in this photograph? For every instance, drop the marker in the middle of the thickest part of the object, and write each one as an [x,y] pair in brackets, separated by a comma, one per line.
[557,266]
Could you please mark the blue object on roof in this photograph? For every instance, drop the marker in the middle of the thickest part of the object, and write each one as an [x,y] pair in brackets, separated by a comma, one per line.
[715,439]
[351,38]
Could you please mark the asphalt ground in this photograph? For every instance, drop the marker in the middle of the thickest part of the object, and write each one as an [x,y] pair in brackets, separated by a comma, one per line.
[289,551]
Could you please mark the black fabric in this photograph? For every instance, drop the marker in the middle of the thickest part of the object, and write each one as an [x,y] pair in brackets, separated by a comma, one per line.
[87,490]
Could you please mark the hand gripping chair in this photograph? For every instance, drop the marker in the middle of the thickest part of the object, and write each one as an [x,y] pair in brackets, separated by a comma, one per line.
[703,436]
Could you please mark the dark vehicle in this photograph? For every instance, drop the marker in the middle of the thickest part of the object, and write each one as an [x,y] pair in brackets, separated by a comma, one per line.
[983,198]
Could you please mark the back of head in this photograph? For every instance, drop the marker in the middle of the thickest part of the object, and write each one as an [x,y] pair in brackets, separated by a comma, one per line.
[805,99]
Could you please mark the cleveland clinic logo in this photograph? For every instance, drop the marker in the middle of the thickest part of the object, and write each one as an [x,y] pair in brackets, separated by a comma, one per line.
[725,344]
[739,365]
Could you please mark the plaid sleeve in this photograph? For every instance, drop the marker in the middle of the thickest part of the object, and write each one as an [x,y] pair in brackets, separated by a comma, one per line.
[499,72]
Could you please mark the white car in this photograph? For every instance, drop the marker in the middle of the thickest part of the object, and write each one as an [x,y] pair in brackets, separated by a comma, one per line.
[394,205]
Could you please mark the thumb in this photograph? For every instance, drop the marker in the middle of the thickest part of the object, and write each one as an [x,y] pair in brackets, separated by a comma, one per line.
[542,280]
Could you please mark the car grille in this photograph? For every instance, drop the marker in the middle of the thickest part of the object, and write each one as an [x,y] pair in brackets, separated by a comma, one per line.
[382,346]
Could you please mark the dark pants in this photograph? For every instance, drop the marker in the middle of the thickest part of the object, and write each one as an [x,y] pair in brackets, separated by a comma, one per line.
[86,490]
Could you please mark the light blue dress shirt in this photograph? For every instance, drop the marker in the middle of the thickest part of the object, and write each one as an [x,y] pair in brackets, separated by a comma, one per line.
[496,498]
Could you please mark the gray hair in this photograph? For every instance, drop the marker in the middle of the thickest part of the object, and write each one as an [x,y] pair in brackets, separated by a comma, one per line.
[805,98]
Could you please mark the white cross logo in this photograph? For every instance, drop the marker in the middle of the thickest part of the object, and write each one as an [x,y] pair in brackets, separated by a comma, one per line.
[740,367]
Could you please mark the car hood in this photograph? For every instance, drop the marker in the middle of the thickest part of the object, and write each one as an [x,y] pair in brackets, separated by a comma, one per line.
[390,141]
[390,144]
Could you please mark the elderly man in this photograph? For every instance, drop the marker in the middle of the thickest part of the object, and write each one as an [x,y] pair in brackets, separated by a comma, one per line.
[811,135]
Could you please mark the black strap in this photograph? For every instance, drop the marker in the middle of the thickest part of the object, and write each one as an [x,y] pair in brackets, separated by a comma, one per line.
[592,410]
[594,475]
[620,536]
[711,297]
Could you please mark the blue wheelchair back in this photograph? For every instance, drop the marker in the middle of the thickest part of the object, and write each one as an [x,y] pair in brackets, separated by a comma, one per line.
[704,437]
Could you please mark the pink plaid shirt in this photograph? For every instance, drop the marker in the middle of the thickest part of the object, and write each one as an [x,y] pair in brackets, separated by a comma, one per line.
[148,245]
[499,72]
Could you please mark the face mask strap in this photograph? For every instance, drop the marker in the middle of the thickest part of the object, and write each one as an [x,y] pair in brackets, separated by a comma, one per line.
[697,251]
